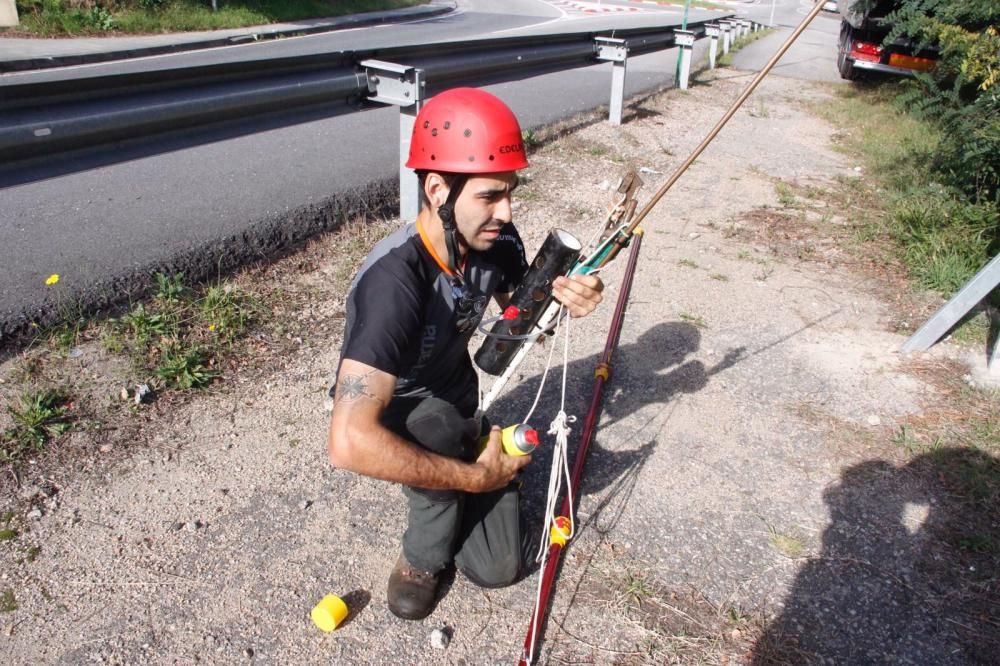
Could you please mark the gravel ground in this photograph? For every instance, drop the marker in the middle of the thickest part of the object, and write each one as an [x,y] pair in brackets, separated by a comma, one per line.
[723,519]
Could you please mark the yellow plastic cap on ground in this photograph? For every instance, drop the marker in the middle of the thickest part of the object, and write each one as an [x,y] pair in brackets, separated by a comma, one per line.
[329,613]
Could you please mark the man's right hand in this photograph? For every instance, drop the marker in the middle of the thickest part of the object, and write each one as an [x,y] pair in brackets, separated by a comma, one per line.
[495,468]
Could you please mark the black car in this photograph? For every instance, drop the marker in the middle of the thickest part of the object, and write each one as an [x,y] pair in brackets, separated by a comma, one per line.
[862,45]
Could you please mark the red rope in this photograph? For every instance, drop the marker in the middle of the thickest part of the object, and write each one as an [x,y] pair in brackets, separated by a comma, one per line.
[593,414]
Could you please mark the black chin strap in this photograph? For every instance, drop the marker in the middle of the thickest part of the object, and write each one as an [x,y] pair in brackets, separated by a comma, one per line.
[446,212]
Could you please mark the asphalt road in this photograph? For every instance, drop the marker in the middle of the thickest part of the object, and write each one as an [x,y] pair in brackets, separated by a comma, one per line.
[206,200]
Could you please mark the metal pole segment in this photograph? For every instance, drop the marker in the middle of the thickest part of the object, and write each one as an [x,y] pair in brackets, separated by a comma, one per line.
[402,86]
[590,424]
[617,93]
[968,297]
[409,184]
[641,215]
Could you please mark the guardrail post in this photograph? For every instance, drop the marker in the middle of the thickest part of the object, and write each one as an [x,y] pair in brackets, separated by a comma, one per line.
[400,86]
[615,51]
[727,32]
[712,31]
[684,39]
[969,296]
[745,24]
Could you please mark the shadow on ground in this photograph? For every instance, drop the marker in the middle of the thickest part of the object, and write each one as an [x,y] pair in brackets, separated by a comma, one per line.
[908,572]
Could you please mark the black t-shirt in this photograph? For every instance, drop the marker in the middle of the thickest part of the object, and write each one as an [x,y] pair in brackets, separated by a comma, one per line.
[401,314]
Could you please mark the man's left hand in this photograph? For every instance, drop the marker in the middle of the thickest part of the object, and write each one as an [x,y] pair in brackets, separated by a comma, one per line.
[580,293]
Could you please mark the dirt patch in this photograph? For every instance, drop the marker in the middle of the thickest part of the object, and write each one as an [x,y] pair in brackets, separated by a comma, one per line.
[744,495]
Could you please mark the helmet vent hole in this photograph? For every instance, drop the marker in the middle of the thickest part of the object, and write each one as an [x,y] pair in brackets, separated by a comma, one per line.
[447,124]
[472,158]
[434,132]
[433,157]
[492,158]
[467,133]
[427,124]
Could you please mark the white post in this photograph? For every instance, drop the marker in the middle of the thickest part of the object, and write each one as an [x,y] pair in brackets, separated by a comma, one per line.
[713,47]
[615,50]
[727,30]
[8,14]
[770,21]
[684,39]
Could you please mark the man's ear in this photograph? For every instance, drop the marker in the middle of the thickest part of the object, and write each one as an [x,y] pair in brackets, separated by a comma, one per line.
[436,190]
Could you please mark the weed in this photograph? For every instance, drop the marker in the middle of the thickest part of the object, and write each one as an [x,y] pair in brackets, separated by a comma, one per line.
[169,289]
[8,604]
[8,534]
[636,588]
[185,369]
[687,263]
[40,416]
[719,276]
[786,197]
[766,271]
[530,139]
[694,320]
[788,545]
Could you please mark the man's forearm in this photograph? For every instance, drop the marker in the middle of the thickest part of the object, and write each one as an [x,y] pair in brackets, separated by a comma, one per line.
[379,453]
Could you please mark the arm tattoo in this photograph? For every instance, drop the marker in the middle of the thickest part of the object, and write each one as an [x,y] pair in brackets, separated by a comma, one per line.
[352,387]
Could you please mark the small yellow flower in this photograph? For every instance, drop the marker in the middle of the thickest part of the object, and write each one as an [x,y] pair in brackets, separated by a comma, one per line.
[52,279]
[211,327]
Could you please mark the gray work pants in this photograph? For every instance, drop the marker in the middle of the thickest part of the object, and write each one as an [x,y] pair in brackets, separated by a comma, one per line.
[482,532]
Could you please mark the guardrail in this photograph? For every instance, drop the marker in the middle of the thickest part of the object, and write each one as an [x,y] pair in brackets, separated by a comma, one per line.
[40,119]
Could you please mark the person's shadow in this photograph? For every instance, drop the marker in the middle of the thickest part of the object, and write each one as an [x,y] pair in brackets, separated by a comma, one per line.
[909,571]
[653,369]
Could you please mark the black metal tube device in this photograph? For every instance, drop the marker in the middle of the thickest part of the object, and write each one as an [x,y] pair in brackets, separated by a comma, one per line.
[531,298]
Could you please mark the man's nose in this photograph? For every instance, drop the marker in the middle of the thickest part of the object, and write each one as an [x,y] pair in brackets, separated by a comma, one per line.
[502,211]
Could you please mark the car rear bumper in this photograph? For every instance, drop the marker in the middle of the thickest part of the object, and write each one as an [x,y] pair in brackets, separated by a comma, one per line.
[879,67]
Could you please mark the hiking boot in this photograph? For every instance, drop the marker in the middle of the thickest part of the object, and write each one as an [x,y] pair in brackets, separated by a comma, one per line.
[411,590]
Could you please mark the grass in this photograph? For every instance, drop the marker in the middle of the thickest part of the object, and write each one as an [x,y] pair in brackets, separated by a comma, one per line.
[76,17]
[939,236]
[179,335]
[726,60]
[8,604]
[687,263]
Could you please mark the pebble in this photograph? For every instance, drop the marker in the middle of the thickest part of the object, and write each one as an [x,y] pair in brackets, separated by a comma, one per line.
[305,504]
[874,420]
[193,525]
[439,639]
[248,653]
[143,394]
[35,514]
[693,235]
[604,186]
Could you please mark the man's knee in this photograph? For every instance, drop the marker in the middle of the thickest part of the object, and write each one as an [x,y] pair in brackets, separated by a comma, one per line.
[492,574]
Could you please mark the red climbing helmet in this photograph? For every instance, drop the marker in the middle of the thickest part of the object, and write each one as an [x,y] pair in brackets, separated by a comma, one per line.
[466,130]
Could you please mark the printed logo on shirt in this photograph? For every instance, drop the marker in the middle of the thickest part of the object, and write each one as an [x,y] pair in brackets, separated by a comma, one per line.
[428,340]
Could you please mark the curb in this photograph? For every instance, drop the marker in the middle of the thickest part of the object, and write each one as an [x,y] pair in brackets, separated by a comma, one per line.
[342,23]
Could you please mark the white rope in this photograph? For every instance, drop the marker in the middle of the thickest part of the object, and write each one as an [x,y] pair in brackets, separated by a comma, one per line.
[560,471]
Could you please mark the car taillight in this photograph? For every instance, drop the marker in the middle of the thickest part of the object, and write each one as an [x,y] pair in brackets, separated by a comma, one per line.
[866,51]
[911,62]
